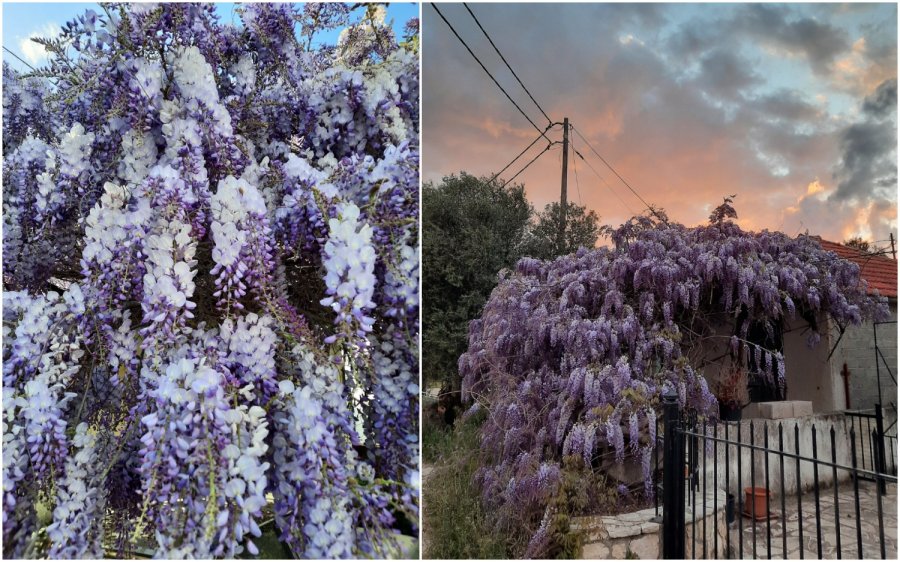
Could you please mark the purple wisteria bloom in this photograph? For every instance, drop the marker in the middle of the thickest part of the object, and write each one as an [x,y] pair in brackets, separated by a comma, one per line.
[210,285]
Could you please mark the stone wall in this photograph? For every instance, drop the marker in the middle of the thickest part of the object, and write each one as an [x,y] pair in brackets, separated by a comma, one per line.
[639,534]
[857,350]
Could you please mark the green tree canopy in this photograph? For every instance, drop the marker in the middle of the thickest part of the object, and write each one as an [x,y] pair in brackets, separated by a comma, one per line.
[858,243]
[471,230]
[582,229]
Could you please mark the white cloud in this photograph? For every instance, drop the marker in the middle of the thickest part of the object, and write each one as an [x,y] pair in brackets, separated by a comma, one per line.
[31,51]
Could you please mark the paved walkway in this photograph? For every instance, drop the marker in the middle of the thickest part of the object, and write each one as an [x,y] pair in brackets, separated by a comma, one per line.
[868,525]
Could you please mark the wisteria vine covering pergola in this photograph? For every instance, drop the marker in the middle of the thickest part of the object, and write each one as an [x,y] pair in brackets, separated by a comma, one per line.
[210,275]
[571,357]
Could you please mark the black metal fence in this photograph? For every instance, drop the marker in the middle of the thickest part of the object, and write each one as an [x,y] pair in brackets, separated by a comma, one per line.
[764,489]
[877,443]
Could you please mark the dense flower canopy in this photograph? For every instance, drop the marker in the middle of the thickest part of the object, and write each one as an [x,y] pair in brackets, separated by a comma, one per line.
[210,305]
[571,356]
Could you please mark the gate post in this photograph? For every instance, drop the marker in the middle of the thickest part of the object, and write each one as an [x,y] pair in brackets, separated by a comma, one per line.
[673,481]
[880,464]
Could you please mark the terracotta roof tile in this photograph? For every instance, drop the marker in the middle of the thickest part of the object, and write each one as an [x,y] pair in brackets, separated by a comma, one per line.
[880,272]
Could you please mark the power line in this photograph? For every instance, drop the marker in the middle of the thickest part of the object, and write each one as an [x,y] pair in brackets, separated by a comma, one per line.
[613,170]
[575,170]
[527,148]
[474,56]
[606,183]
[528,164]
[20,59]
[478,23]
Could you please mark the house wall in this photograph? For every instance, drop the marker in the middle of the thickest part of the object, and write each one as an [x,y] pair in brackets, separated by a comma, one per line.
[857,350]
[807,371]
[811,375]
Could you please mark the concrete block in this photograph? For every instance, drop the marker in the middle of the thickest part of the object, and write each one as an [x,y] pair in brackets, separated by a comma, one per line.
[776,410]
[751,411]
[802,408]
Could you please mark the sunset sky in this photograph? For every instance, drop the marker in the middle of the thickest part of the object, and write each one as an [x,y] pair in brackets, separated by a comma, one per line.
[791,107]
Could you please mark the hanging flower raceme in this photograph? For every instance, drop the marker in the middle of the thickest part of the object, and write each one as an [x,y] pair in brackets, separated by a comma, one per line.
[77,528]
[349,260]
[394,408]
[243,249]
[316,417]
[179,200]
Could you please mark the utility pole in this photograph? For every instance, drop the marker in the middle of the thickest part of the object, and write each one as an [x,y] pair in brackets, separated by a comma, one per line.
[893,250]
[565,177]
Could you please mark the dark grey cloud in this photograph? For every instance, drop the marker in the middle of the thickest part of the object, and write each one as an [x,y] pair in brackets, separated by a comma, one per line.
[692,39]
[819,42]
[725,73]
[776,26]
[869,163]
[868,166]
[883,101]
[785,105]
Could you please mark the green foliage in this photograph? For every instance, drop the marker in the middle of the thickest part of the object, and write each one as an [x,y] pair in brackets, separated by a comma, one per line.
[455,523]
[455,527]
[472,230]
[723,212]
[858,243]
[572,499]
[582,229]
[437,439]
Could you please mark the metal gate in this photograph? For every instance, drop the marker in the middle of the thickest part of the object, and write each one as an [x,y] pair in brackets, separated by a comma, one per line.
[789,472]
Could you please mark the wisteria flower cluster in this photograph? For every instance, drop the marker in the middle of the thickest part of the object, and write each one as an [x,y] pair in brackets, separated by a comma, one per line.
[210,304]
[571,356]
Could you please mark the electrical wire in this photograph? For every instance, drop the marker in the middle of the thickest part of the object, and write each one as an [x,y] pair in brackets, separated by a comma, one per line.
[20,59]
[613,170]
[491,41]
[575,170]
[527,148]
[606,184]
[868,257]
[528,164]
[474,56]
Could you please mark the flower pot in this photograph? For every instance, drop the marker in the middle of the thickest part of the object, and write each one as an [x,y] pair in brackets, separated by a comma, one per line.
[756,503]
[729,412]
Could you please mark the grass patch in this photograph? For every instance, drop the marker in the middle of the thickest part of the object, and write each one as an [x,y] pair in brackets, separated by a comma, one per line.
[437,441]
[455,526]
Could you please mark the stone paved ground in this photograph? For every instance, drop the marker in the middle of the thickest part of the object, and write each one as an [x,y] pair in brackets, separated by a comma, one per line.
[868,503]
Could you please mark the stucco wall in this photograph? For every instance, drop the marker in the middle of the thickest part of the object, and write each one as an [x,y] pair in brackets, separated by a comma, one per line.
[758,459]
[813,377]
[807,370]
